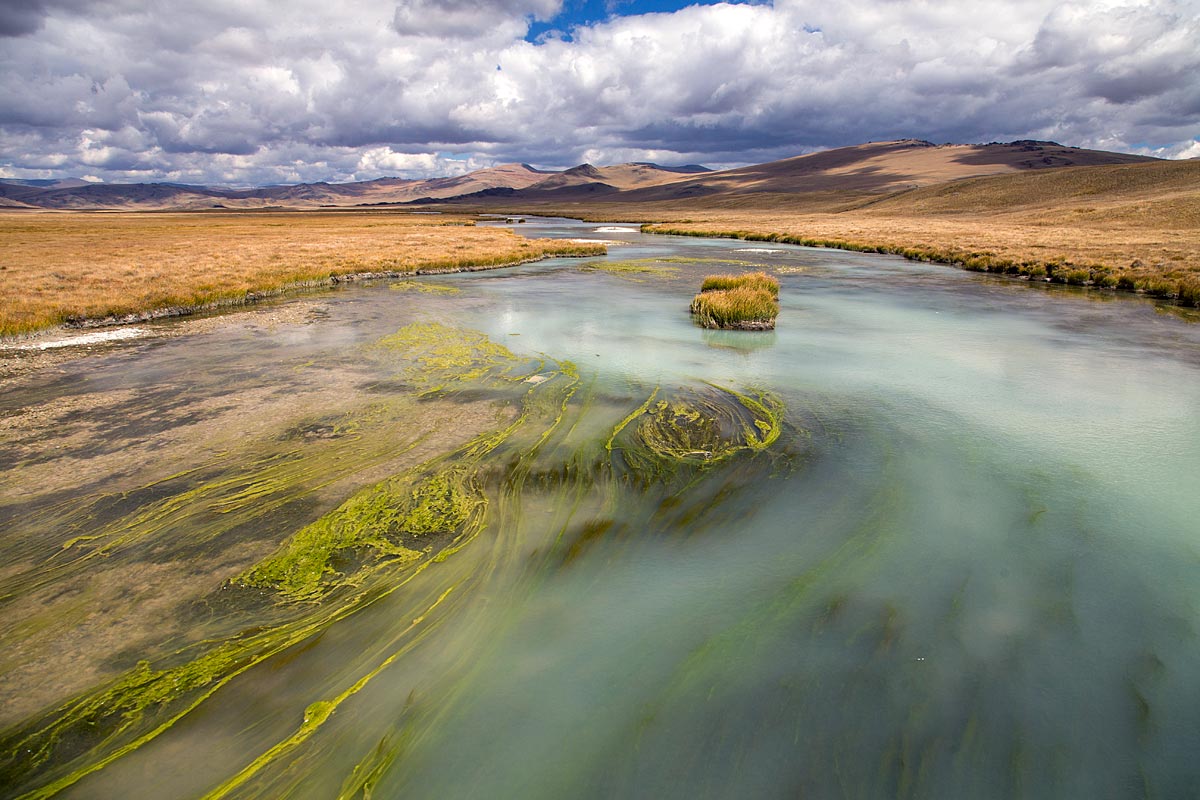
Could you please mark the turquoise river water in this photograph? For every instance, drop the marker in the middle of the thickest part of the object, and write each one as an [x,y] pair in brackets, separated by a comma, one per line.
[531,533]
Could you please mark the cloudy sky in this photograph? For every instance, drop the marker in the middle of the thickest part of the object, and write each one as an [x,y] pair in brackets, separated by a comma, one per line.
[264,91]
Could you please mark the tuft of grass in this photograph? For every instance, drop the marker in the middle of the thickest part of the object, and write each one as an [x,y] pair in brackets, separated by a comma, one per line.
[1189,292]
[753,280]
[749,301]
[1159,287]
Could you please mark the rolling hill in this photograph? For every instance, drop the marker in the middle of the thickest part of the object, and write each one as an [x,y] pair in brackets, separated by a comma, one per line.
[822,179]
[504,179]
[868,169]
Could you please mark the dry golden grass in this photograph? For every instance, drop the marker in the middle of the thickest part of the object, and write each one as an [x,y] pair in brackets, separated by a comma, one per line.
[1139,250]
[753,280]
[59,267]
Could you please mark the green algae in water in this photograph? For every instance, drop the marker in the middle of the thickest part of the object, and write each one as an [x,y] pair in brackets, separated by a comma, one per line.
[665,267]
[213,502]
[376,520]
[361,552]
[131,710]
[731,262]
[424,287]
[442,503]
[437,505]
[634,270]
[438,355]
[696,427]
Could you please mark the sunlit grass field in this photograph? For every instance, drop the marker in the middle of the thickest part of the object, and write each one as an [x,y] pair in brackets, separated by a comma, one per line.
[64,267]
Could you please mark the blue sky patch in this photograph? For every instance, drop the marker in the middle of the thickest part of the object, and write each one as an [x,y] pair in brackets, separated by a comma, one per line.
[576,13]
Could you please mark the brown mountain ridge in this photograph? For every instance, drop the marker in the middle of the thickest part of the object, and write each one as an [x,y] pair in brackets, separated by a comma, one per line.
[506,178]
[849,173]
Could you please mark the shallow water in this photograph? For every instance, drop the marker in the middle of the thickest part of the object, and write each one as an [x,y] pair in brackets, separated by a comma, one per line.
[964,563]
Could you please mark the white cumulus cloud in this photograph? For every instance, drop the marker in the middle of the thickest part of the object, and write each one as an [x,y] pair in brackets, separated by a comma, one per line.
[253,91]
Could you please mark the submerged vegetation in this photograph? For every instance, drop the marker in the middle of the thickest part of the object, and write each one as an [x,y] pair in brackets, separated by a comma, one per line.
[423,287]
[633,270]
[743,302]
[660,267]
[697,427]
[436,355]
[374,524]
[390,533]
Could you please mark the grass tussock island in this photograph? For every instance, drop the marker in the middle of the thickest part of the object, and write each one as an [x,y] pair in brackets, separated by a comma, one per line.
[80,268]
[738,302]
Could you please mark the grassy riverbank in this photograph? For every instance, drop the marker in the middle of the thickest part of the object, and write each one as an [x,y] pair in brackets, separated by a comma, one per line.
[1016,257]
[73,267]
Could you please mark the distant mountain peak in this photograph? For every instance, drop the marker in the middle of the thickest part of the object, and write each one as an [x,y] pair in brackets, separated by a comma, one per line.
[585,170]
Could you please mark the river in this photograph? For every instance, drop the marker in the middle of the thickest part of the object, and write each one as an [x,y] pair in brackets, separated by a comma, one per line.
[531,533]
